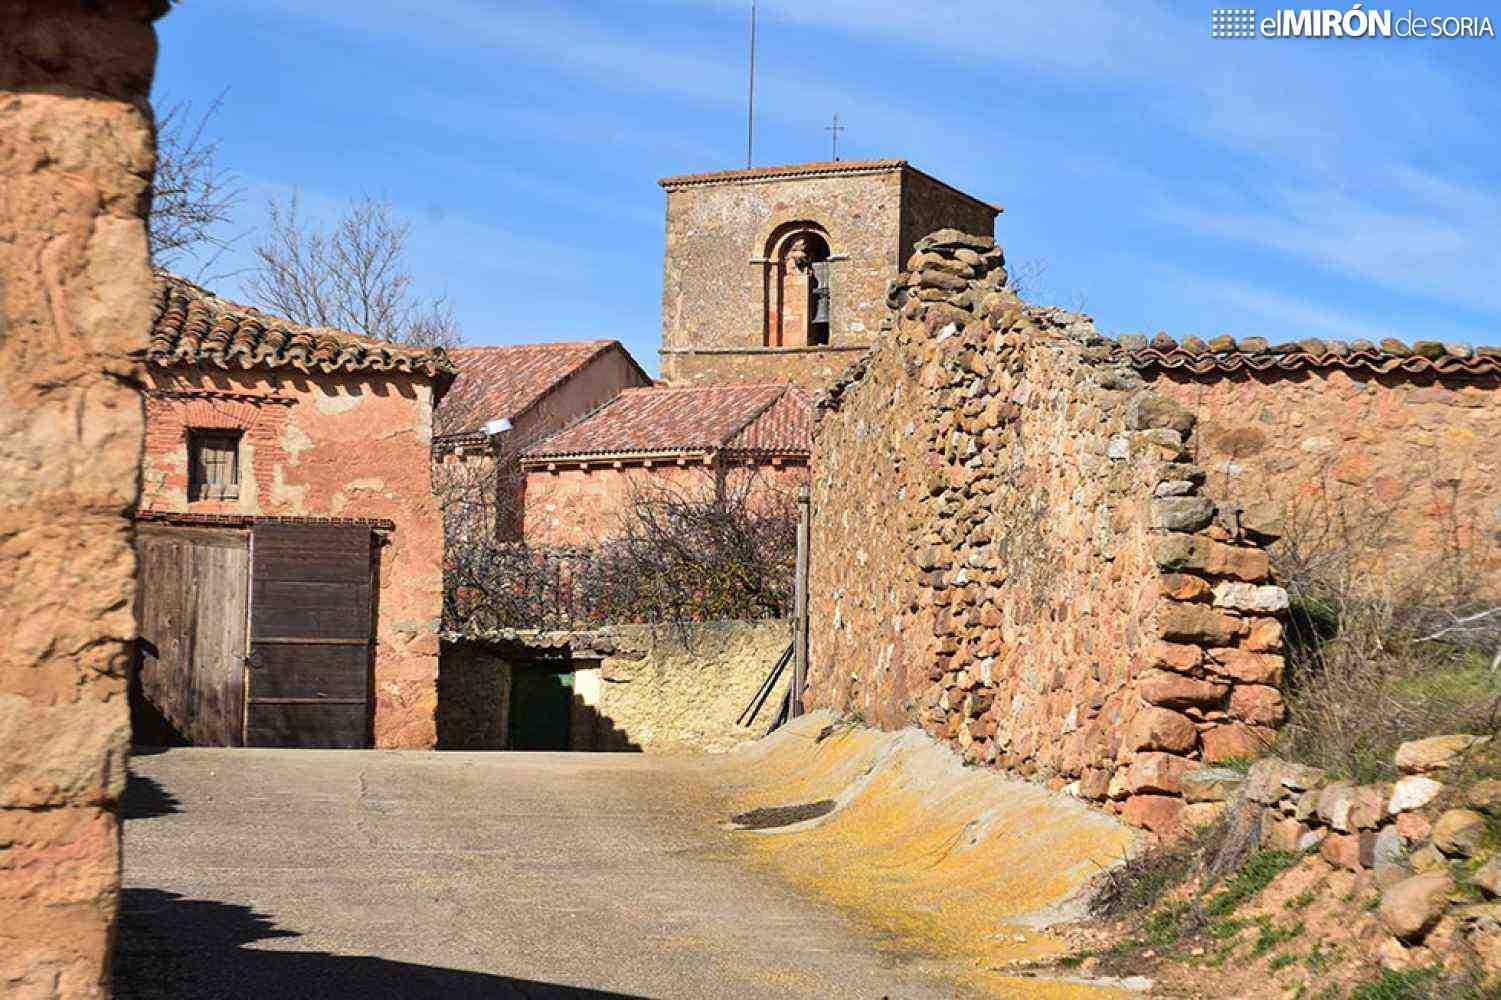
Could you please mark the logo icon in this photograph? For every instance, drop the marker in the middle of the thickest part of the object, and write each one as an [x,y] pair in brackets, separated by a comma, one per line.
[1232,22]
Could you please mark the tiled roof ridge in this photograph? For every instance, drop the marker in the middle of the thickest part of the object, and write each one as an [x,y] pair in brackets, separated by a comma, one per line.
[756,428]
[1226,354]
[193,325]
[755,415]
[784,170]
[545,345]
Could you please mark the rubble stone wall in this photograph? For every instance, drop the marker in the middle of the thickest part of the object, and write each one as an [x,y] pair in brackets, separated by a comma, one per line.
[1409,462]
[76,160]
[348,446]
[1012,549]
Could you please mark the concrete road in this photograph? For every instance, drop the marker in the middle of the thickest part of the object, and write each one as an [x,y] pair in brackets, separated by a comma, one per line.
[274,874]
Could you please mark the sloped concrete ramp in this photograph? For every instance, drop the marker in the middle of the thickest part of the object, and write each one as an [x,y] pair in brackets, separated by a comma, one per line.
[959,869]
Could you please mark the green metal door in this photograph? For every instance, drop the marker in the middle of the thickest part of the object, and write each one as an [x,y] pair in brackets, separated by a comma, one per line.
[541,708]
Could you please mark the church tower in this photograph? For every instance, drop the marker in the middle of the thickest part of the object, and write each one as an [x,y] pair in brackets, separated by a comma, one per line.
[777,274]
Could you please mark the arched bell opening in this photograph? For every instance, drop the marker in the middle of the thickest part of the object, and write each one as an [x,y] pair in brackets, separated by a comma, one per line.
[798,306]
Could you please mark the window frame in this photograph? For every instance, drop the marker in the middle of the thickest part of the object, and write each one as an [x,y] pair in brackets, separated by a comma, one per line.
[200,487]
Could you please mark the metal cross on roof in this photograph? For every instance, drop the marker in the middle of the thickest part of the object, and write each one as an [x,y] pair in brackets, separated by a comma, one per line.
[834,131]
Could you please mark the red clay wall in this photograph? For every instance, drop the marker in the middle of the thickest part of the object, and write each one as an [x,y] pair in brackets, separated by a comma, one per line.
[332,446]
[1416,458]
[76,162]
[1010,549]
[579,507]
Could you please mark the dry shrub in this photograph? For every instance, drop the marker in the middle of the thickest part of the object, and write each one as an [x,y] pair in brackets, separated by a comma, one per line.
[718,547]
[1383,646]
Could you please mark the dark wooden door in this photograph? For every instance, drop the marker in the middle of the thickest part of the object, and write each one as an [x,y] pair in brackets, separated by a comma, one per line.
[541,708]
[190,655]
[311,624]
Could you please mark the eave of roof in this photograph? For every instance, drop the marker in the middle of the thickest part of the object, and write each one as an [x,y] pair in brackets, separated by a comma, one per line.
[797,171]
[698,435]
[471,430]
[194,327]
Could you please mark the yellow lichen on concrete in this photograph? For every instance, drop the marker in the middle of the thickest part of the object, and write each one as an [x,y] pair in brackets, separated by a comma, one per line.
[958,869]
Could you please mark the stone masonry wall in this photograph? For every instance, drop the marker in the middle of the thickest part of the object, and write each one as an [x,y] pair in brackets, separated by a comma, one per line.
[810,366]
[712,288]
[76,160]
[351,446]
[1409,462]
[662,688]
[1011,549]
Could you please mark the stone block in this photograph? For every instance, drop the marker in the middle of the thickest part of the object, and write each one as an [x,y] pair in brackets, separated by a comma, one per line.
[1281,834]
[1234,740]
[1352,851]
[1413,792]
[1158,773]
[1434,753]
[1182,513]
[1260,598]
[1257,704]
[1162,814]
[1150,409]
[1196,554]
[1197,814]
[1246,667]
[1158,687]
[1335,802]
[1212,784]
[1195,623]
[1412,906]
[1485,795]
[1413,826]
[1459,832]
[1156,728]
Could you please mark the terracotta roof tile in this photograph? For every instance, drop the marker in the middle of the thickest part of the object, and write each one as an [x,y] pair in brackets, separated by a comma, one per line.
[193,326]
[785,428]
[681,420]
[1225,355]
[788,170]
[497,382]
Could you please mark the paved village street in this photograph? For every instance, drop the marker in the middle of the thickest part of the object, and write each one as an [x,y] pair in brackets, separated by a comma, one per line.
[281,874]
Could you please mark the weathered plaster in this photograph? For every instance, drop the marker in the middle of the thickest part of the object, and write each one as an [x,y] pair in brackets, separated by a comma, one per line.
[334,467]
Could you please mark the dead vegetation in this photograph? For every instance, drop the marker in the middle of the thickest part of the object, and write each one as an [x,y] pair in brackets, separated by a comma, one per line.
[1384,644]
[721,547]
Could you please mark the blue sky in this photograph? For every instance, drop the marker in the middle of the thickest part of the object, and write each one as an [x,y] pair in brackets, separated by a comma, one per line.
[1166,180]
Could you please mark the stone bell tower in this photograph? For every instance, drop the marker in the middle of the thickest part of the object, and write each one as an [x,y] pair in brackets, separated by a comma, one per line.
[777,274]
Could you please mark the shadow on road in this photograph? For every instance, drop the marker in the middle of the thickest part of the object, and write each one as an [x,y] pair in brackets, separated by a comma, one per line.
[171,947]
[144,798]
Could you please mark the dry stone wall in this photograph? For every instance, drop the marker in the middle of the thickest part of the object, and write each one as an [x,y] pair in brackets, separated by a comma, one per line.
[76,158]
[1012,549]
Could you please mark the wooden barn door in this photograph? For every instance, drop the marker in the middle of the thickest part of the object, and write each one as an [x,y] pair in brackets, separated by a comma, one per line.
[310,636]
[190,659]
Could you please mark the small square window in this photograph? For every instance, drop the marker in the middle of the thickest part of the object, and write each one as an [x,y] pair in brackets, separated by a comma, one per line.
[213,465]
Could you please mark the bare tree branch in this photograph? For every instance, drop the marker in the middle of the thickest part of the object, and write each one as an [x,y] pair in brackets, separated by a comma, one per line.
[192,195]
[353,276]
